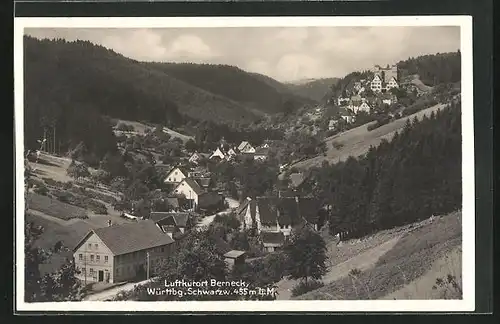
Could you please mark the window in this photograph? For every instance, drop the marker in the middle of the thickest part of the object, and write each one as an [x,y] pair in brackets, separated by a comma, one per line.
[117,271]
[96,246]
[98,258]
[92,257]
[175,173]
[91,272]
[90,246]
[105,259]
[162,250]
[80,257]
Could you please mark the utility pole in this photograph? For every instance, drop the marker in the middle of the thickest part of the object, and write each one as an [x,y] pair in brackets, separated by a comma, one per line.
[147,269]
[54,148]
[85,263]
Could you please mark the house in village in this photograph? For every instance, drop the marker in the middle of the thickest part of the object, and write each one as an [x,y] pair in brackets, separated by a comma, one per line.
[332,124]
[219,153]
[176,175]
[199,199]
[197,157]
[272,241]
[385,78]
[234,257]
[191,190]
[364,107]
[391,84]
[246,147]
[123,252]
[376,84]
[174,224]
[347,115]
[273,214]
[343,101]
[261,154]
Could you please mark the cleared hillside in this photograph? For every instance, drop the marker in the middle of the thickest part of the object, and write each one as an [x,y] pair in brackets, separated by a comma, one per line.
[358,140]
[424,250]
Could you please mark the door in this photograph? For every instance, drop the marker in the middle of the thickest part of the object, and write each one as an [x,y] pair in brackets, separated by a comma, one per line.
[101,275]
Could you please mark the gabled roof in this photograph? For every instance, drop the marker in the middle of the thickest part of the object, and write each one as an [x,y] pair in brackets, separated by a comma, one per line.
[168,218]
[203,182]
[262,151]
[193,184]
[181,169]
[272,238]
[243,205]
[242,145]
[131,237]
[233,254]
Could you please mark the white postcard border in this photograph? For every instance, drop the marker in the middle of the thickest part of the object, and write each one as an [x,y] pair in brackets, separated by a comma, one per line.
[468,184]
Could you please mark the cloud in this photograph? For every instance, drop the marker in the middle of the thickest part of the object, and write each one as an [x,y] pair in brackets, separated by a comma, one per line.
[187,47]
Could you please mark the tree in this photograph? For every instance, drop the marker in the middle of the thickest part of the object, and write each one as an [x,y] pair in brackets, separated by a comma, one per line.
[191,145]
[306,254]
[60,286]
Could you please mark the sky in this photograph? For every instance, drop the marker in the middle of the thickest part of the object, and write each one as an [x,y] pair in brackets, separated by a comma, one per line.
[284,53]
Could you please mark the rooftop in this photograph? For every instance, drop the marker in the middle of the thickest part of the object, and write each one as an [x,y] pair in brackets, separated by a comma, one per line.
[131,237]
[233,254]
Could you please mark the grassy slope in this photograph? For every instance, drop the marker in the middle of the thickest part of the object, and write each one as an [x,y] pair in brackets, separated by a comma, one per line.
[141,128]
[410,258]
[358,140]
[55,208]
[70,235]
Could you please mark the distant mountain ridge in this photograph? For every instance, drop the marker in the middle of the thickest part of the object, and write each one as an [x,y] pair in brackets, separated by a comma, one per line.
[315,89]
[120,87]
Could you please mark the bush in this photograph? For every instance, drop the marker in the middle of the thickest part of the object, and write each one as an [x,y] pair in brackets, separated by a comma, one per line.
[336,145]
[81,201]
[380,122]
[41,190]
[306,286]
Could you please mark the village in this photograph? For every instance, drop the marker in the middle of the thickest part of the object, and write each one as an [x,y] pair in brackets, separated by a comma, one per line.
[138,210]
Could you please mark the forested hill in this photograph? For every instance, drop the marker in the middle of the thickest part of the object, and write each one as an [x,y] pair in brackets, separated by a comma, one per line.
[433,69]
[417,174]
[235,84]
[60,73]
[315,89]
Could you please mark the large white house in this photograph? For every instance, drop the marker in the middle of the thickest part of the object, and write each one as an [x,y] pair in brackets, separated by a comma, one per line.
[119,253]
[376,84]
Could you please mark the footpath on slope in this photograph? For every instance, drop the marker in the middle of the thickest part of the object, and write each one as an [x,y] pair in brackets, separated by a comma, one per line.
[363,261]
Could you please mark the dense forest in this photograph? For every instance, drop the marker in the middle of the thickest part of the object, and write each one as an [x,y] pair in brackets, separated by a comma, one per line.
[433,69]
[315,89]
[71,86]
[233,83]
[415,175]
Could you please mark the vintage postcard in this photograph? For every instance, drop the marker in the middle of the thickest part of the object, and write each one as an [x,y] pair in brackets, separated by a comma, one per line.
[271,164]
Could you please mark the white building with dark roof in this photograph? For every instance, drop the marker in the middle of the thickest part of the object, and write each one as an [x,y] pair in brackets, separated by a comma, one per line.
[120,253]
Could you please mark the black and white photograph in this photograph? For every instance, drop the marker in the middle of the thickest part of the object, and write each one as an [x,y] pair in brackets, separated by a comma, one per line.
[244,164]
